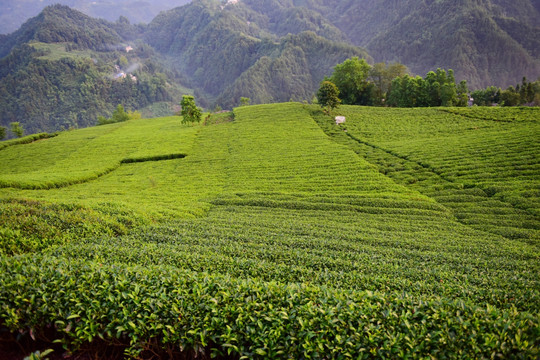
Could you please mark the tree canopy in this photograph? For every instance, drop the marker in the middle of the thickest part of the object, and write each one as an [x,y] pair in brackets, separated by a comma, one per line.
[328,95]
[190,112]
[350,77]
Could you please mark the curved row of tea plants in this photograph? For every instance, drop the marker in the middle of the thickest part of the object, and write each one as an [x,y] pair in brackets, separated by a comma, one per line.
[485,171]
[162,309]
[87,154]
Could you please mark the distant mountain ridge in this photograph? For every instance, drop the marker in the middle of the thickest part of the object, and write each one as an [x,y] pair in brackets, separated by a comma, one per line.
[14,13]
[230,51]
[486,42]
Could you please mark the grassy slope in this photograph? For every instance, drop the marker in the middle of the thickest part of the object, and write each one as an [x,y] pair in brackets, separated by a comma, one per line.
[285,204]
[480,163]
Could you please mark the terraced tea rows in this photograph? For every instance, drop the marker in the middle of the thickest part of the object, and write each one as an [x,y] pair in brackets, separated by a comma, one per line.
[273,240]
[87,154]
[485,171]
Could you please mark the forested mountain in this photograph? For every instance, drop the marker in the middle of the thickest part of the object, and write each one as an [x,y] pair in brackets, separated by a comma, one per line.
[486,42]
[57,24]
[14,13]
[64,69]
[232,50]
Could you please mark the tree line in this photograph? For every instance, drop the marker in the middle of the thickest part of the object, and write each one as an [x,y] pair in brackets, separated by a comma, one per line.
[355,82]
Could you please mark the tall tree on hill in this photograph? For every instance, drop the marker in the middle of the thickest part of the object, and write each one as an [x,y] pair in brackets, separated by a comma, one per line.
[382,74]
[119,115]
[328,95]
[190,111]
[350,77]
[448,89]
[2,133]
[462,97]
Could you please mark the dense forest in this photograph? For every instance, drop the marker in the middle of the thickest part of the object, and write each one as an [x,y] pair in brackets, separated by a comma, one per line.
[486,42]
[64,69]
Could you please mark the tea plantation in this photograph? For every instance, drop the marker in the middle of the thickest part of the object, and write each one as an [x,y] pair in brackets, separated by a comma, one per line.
[403,233]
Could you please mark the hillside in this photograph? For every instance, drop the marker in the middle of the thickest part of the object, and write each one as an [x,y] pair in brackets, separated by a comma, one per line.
[488,42]
[233,50]
[56,24]
[224,55]
[64,69]
[272,232]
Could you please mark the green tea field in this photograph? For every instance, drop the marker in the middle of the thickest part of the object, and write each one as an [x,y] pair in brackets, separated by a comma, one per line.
[273,233]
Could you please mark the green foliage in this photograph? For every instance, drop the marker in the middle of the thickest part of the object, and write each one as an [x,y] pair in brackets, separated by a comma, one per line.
[328,95]
[521,94]
[39,355]
[436,89]
[119,115]
[381,75]
[30,226]
[361,84]
[17,129]
[221,315]
[134,115]
[486,97]
[190,112]
[281,235]
[350,77]
[3,132]
[245,101]
[510,97]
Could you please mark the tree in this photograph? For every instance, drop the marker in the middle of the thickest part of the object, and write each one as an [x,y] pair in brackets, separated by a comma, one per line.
[382,74]
[350,77]
[17,129]
[123,62]
[510,97]
[448,89]
[328,95]
[102,120]
[134,115]
[119,115]
[462,94]
[2,133]
[245,101]
[190,111]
